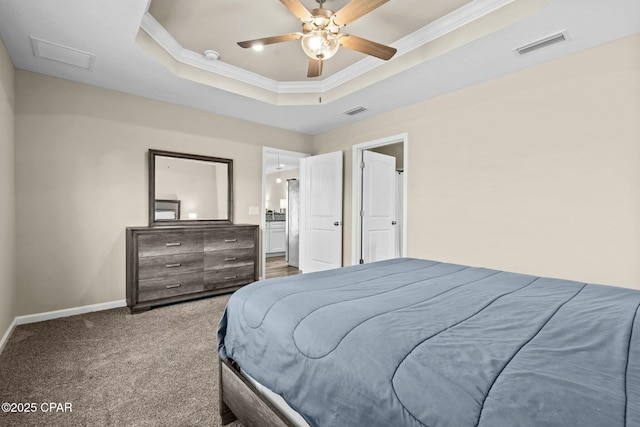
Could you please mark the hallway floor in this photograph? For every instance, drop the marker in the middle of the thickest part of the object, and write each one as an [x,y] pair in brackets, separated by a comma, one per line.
[278,267]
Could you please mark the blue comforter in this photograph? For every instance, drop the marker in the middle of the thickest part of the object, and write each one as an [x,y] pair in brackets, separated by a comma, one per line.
[410,342]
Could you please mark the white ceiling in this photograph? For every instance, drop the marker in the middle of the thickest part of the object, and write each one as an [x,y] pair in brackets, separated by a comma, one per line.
[109,30]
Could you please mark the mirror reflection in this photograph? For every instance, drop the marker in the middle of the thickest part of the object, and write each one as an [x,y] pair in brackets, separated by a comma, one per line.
[189,188]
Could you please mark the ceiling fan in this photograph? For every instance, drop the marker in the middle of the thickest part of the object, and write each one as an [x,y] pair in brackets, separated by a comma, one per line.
[321,36]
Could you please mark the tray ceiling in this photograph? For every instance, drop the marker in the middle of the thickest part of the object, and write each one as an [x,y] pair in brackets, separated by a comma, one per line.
[428,32]
[199,25]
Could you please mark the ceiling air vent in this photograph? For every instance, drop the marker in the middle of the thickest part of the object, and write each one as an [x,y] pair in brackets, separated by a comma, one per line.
[355,110]
[542,43]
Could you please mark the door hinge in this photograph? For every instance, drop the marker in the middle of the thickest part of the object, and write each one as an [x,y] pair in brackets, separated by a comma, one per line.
[362,213]
[361,261]
[361,165]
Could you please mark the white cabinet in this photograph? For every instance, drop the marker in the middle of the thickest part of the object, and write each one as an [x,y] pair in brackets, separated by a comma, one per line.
[276,239]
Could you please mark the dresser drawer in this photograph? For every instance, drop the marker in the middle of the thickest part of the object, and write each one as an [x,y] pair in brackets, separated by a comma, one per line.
[228,277]
[229,238]
[217,260]
[155,244]
[163,287]
[169,265]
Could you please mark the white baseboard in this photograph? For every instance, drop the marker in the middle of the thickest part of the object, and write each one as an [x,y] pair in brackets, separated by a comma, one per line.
[39,317]
[7,334]
[49,315]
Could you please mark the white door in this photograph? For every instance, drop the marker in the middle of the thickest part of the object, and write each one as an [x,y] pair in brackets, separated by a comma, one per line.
[321,212]
[378,207]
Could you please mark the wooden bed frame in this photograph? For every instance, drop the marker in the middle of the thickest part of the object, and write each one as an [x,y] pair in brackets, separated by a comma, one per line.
[240,400]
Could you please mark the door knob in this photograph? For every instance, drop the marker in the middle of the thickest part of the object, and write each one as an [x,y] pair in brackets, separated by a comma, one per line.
[393,223]
[337,223]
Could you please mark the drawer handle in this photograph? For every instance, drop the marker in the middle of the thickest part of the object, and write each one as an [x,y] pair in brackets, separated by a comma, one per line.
[230,240]
[230,277]
[173,286]
[173,265]
[233,258]
[174,244]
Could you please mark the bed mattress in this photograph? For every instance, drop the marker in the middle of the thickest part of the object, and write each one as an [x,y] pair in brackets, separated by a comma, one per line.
[295,418]
[409,342]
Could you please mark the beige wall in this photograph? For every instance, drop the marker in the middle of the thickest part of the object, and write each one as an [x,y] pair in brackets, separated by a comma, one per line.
[81,178]
[7,192]
[535,172]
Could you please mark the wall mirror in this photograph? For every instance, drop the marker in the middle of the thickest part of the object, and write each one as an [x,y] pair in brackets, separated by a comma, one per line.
[189,189]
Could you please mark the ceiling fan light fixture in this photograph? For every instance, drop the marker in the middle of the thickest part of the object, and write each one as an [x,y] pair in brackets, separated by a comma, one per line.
[320,44]
[320,37]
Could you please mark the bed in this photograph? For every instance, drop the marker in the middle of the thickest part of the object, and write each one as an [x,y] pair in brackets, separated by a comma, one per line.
[411,342]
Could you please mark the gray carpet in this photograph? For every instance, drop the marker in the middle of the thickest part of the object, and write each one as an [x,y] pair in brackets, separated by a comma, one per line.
[152,369]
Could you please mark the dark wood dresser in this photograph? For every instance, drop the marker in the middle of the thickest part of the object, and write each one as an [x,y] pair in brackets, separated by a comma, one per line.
[172,264]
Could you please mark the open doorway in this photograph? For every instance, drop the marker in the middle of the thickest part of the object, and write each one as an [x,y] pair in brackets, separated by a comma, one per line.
[280,207]
[379,199]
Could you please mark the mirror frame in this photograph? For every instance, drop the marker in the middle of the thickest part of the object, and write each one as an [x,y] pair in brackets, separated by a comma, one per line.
[152,189]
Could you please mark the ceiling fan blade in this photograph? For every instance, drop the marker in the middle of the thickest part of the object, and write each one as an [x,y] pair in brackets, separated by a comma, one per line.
[355,10]
[297,9]
[315,68]
[270,40]
[367,46]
